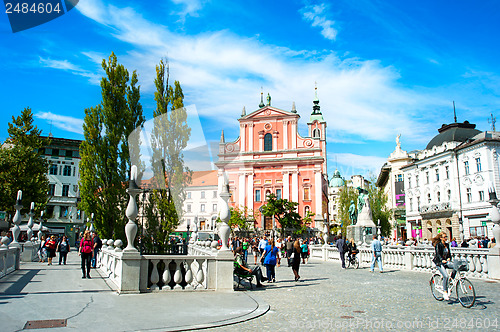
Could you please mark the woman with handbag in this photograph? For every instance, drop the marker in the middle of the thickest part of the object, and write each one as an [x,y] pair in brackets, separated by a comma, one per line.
[270,258]
[51,248]
[63,248]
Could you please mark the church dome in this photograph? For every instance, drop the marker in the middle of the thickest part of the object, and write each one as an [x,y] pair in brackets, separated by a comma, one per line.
[454,132]
[336,180]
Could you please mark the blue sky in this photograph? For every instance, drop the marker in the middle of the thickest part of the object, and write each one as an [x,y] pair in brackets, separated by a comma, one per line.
[382,67]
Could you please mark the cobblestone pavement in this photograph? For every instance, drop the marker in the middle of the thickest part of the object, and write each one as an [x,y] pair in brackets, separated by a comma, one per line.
[329,298]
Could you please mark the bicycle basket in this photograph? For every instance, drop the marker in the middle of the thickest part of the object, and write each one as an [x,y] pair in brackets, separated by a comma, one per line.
[460,265]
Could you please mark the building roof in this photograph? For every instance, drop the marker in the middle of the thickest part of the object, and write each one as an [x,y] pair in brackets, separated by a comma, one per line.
[453,132]
[337,180]
[204,178]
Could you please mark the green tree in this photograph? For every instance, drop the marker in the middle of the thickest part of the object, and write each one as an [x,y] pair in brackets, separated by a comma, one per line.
[105,157]
[22,166]
[241,218]
[346,195]
[378,203]
[169,137]
[284,212]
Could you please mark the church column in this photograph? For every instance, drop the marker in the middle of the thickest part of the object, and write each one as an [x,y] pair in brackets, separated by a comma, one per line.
[243,137]
[250,191]
[318,197]
[275,141]
[285,135]
[250,137]
[294,134]
[261,140]
[241,190]
[295,186]
[286,185]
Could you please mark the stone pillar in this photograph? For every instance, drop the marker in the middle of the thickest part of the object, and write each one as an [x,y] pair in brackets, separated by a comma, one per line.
[243,137]
[275,141]
[241,190]
[261,140]
[294,134]
[17,220]
[408,259]
[250,191]
[286,185]
[295,186]
[285,135]
[250,137]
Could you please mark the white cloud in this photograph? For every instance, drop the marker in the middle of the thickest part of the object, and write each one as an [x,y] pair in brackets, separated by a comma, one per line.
[222,72]
[315,15]
[63,122]
[190,7]
[68,66]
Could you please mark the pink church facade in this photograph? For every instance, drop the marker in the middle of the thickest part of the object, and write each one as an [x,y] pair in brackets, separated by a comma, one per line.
[270,156]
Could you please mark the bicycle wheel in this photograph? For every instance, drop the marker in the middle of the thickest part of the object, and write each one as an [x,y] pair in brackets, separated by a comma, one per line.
[349,263]
[435,283]
[466,293]
[356,263]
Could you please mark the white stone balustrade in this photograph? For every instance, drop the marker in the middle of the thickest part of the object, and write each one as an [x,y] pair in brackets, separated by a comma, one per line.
[412,258]
[9,258]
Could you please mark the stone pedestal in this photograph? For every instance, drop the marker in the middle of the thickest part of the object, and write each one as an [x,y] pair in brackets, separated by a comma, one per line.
[356,232]
[130,272]
[224,271]
[494,262]
[27,254]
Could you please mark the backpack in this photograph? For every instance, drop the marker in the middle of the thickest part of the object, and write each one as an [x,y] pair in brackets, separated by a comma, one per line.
[345,247]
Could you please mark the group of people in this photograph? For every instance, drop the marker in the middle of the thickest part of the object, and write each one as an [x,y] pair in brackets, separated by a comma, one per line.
[269,253]
[51,244]
[88,247]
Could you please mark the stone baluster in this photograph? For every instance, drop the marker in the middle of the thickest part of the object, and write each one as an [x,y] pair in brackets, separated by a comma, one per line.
[472,266]
[200,277]
[155,277]
[484,261]
[189,274]
[479,267]
[30,222]
[17,220]
[131,212]
[178,275]
[224,214]
[166,277]
[118,245]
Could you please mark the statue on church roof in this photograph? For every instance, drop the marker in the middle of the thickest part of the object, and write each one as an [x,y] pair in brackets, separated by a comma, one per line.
[268,100]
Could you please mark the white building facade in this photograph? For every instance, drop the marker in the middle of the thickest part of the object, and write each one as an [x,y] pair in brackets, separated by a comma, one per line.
[446,186]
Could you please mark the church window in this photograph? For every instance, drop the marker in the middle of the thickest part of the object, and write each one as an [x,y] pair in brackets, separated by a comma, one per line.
[268,142]
[316,133]
[307,194]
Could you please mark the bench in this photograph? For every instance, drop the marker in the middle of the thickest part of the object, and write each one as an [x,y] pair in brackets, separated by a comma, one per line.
[242,275]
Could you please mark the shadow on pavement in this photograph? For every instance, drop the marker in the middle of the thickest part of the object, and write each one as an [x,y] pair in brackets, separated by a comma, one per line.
[19,284]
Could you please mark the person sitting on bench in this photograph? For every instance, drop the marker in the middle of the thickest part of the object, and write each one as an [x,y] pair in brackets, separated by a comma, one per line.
[242,269]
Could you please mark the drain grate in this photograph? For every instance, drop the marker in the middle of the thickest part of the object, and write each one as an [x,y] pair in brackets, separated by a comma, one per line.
[45,324]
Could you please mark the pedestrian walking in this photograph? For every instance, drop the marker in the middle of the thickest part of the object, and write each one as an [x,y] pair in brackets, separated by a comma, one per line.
[97,246]
[255,250]
[279,245]
[262,245]
[85,251]
[63,249]
[376,247]
[42,251]
[51,246]
[270,259]
[342,247]
[305,251]
[296,260]
[289,250]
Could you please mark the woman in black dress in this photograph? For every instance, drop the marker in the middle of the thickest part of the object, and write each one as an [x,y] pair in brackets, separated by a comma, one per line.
[296,260]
